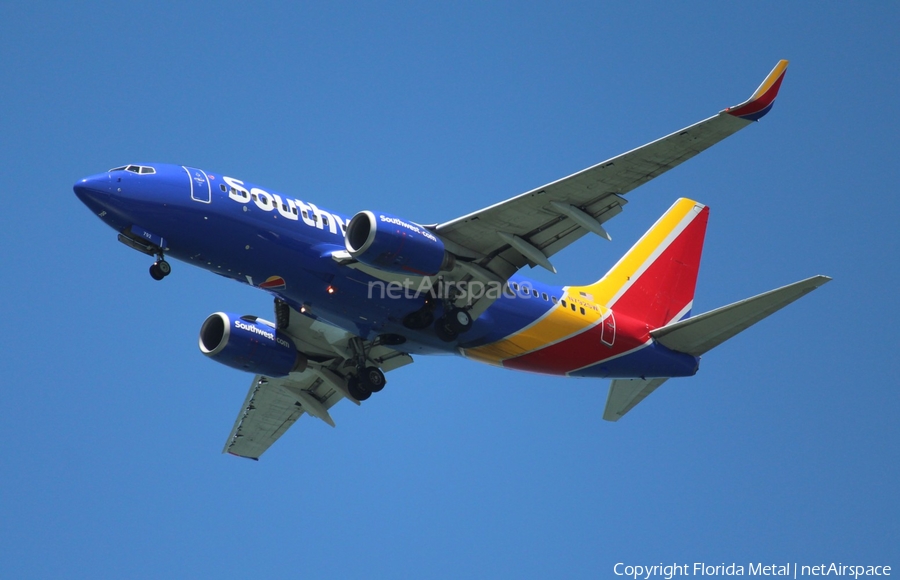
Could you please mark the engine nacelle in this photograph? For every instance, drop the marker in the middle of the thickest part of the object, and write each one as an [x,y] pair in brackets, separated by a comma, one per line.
[393,244]
[247,343]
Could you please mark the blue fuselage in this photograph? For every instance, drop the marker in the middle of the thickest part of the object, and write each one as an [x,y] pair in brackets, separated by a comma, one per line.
[287,246]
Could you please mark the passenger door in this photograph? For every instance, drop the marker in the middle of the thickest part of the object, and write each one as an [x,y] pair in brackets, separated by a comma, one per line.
[200,189]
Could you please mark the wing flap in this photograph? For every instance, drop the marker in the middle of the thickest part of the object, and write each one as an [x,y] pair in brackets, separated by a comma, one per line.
[272,404]
[526,214]
[268,411]
[625,394]
[700,334]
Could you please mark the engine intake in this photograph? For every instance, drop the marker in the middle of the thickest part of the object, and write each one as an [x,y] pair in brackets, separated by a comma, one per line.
[249,344]
[396,245]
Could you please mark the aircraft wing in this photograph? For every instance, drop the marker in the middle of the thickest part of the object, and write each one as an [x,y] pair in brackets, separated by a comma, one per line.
[529,228]
[271,407]
[274,404]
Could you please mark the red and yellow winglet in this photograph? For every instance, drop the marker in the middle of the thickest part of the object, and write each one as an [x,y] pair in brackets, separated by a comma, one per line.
[762,100]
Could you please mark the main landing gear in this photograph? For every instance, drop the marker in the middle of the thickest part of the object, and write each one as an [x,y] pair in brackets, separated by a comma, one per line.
[455,322]
[160,268]
[421,318]
[367,380]
[448,327]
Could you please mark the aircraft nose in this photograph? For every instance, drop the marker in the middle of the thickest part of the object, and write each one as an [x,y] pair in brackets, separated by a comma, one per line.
[93,190]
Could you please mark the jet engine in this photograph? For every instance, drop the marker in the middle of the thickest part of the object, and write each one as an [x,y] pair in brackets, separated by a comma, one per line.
[249,344]
[395,245]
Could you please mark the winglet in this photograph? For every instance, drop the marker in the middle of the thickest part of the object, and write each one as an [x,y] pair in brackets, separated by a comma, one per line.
[762,100]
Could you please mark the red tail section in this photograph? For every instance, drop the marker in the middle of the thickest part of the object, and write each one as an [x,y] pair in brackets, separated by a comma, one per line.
[654,282]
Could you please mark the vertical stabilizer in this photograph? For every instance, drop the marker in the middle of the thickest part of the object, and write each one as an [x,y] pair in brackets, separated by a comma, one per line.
[654,282]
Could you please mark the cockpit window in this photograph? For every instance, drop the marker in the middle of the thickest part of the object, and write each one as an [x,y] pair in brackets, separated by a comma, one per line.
[142,169]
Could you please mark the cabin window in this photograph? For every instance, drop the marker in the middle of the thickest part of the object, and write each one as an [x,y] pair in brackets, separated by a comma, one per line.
[294,209]
[544,295]
[324,221]
[563,302]
[572,304]
[222,187]
[514,285]
[553,298]
[582,310]
[535,292]
[305,215]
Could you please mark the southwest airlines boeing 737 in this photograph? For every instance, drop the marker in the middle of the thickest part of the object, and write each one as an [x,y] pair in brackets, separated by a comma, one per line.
[358,296]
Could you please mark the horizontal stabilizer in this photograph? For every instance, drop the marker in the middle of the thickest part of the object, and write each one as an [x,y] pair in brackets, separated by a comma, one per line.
[624,394]
[699,334]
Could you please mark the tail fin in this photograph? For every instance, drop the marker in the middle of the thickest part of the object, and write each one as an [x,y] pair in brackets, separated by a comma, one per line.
[654,282]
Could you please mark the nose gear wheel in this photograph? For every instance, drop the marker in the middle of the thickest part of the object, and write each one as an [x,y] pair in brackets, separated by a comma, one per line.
[160,269]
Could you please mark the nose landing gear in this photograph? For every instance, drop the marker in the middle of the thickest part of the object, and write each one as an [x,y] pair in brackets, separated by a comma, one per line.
[160,268]
[148,243]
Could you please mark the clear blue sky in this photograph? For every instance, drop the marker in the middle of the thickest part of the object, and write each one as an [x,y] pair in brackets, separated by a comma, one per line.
[783,448]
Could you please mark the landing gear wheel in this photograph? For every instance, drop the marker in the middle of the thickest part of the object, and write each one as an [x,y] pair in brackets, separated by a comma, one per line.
[459,320]
[156,272]
[160,268]
[356,389]
[372,379]
[449,326]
